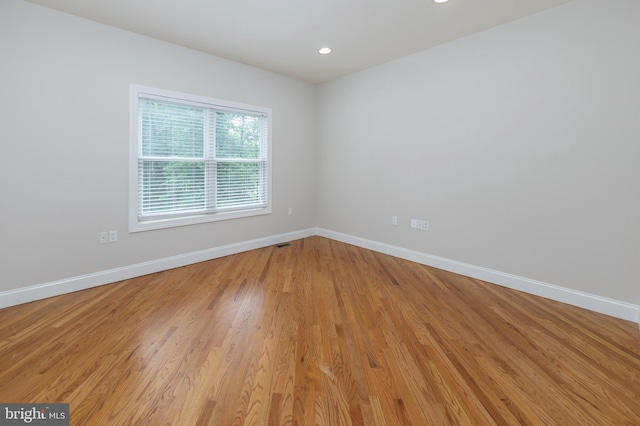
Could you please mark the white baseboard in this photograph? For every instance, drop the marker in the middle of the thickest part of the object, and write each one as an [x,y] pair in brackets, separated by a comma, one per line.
[592,302]
[604,305]
[57,288]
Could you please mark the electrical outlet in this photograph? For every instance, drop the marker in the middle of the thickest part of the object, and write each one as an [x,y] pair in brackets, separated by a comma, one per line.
[290,211]
[422,225]
[394,220]
[104,238]
[113,236]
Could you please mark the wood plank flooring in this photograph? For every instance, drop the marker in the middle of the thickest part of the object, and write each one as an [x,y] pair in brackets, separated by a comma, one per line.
[318,333]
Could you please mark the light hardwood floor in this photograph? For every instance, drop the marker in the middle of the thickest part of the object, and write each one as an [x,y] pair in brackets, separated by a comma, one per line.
[318,332]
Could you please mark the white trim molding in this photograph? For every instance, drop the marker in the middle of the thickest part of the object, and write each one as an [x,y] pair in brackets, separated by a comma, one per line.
[604,305]
[83,282]
[611,307]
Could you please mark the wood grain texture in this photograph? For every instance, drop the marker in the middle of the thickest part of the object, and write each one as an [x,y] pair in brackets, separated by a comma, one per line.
[319,333]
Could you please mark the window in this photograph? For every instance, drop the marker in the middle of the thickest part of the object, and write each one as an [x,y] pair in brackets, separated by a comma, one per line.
[196,159]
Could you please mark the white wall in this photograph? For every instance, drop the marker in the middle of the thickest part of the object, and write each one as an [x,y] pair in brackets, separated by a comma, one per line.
[519,144]
[64,135]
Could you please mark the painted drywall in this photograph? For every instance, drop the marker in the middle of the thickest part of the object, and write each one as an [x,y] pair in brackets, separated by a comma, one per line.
[64,134]
[520,146]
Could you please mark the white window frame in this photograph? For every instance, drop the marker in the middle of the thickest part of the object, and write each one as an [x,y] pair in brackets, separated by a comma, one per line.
[136,225]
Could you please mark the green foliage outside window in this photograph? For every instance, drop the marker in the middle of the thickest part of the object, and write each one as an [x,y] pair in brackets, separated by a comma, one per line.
[186,151]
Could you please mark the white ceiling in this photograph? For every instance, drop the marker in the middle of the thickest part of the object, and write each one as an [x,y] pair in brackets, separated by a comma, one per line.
[284,35]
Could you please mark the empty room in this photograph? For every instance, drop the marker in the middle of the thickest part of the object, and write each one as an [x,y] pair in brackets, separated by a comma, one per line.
[271,212]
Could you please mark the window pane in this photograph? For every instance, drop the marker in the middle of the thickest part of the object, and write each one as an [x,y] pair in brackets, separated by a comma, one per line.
[240,184]
[169,130]
[238,135]
[196,159]
[168,186]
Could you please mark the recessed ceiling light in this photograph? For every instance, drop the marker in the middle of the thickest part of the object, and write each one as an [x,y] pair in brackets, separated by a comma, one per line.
[440,1]
[324,50]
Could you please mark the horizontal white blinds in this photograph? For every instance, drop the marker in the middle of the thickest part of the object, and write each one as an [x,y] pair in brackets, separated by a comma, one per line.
[195,160]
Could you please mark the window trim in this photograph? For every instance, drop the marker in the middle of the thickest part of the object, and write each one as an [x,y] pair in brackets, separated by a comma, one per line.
[137,91]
